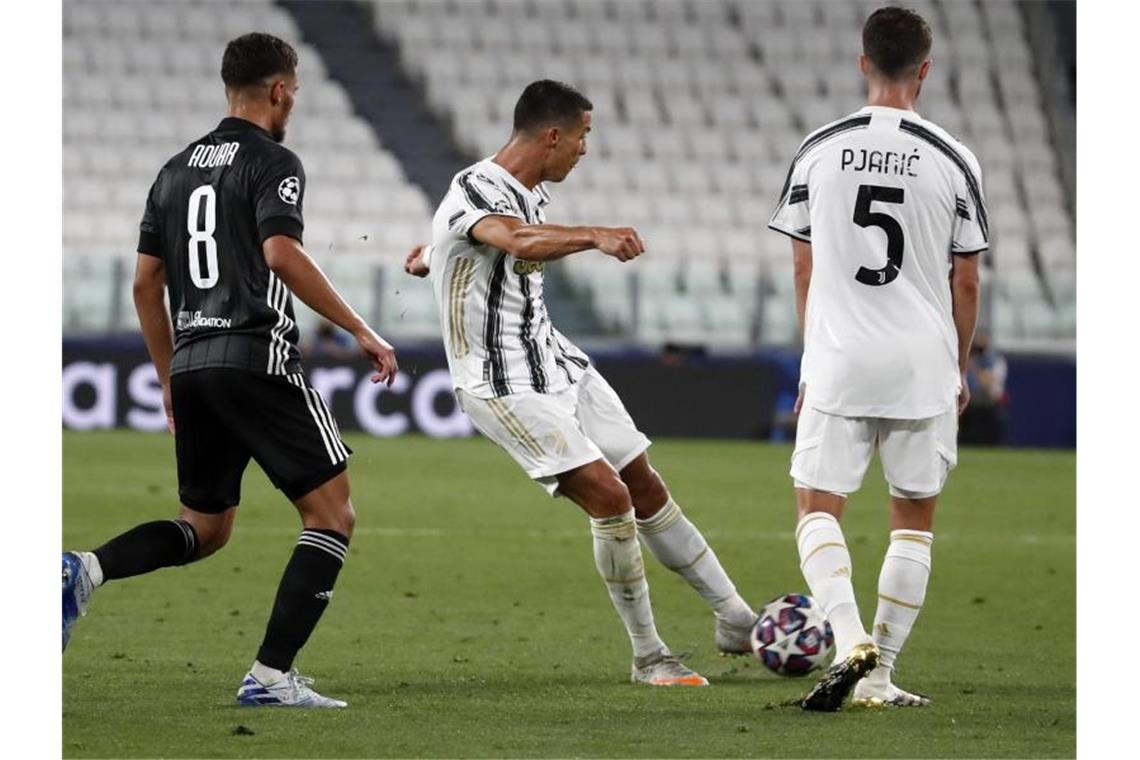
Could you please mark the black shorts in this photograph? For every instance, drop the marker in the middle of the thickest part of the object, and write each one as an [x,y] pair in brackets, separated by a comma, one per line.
[222,417]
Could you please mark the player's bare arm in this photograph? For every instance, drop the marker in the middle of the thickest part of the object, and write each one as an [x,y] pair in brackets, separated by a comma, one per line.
[546,242]
[801,264]
[150,284]
[304,278]
[801,267]
[965,289]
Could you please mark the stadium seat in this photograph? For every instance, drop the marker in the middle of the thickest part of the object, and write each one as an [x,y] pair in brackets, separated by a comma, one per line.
[682,319]
[778,319]
[729,321]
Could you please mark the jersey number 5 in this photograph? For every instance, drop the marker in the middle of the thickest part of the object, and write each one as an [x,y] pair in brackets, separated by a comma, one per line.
[203,264]
[864,217]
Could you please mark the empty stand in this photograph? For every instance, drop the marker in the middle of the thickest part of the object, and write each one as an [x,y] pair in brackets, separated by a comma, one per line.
[699,106]
[141,80]
[698,109]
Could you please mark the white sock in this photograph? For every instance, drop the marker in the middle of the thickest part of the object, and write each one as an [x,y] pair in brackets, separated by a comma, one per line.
[902,590]
[265,675]
[94,569]
[679,546]
[618,558]
[826,565]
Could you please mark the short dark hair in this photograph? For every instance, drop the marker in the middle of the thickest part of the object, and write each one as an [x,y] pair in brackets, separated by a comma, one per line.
[897,41]
[547,103]
[251,58]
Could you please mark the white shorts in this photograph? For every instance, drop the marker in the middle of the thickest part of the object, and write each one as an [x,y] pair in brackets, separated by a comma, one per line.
[832,452]
[551,433]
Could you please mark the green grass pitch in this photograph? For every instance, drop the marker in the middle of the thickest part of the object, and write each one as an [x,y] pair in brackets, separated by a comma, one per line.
[469,619]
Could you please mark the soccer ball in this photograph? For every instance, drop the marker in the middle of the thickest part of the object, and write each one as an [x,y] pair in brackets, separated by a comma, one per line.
[792,637]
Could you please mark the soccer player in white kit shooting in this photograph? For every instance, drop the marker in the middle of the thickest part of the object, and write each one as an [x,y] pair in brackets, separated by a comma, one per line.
[530,390]
[887,218]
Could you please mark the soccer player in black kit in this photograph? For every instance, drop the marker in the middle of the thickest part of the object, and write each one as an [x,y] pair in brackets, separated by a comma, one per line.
[222,234]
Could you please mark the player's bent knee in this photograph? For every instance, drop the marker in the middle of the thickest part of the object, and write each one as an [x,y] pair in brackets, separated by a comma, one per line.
[343,519]
[613,498]
[809,500]
[649,495]
[340,517]
[210,545]
[211,531]
[348,519]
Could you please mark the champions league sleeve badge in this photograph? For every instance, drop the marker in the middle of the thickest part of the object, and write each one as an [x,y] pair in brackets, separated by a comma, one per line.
[289,190]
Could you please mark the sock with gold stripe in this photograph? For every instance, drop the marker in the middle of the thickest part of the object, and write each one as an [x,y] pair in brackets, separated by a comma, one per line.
[678,545]
[618,558]
[902,590]
[826,565]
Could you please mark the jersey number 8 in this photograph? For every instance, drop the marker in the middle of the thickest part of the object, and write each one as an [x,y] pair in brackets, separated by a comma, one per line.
[864,217]
[203,269]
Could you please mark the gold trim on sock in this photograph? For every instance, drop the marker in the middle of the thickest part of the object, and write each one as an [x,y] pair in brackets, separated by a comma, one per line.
[618,527]
[806,520]
[915,539]
[899,602]
[804,561]
[665,519]
[695,561]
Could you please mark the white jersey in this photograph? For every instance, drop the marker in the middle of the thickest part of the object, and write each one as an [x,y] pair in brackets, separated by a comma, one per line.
[885,198]
[497,332]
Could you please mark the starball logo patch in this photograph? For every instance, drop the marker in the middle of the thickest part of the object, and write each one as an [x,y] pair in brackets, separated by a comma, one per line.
[290,190]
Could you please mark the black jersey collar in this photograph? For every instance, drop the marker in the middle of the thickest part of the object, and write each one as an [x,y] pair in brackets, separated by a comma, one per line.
[233,123]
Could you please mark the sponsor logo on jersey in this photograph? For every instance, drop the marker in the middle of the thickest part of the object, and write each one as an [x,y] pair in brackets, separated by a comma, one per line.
[529,267]
[290,190]
[188,321]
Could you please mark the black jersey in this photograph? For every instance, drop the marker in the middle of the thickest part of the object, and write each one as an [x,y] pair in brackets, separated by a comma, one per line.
[207,214]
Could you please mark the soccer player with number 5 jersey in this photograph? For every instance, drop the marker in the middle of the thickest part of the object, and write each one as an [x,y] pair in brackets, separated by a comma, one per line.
[887,220]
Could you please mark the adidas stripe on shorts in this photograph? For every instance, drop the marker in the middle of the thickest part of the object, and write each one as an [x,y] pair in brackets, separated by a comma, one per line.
[225,417]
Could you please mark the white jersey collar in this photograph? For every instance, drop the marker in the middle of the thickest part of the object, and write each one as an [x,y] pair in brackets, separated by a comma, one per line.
[536,195]
[890,110]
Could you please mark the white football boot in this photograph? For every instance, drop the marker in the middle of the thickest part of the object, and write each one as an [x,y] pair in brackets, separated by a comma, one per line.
[663,668]
[731,639]
[876,690]
[291,691]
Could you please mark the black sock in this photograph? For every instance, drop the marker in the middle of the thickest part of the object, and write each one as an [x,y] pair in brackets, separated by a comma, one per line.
[148,547]
[305,591]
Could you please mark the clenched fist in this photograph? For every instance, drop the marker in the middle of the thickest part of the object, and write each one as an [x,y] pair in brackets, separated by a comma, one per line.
[414,264]
[623,243]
